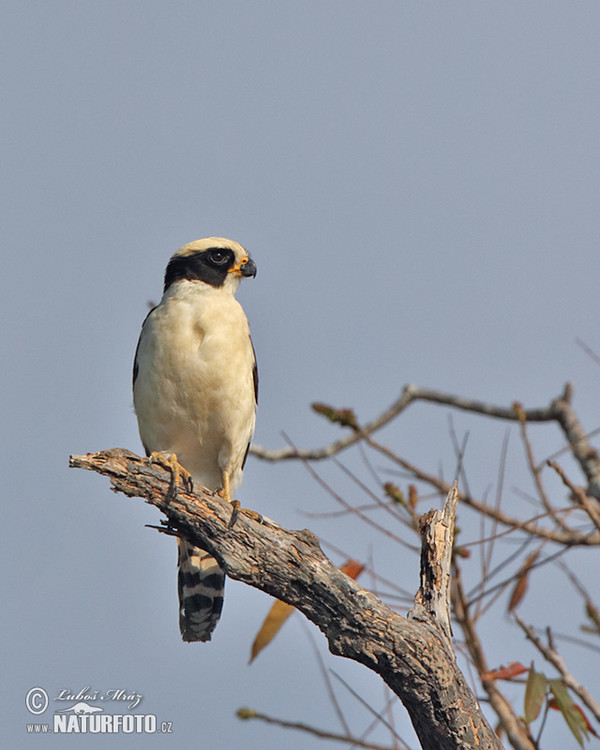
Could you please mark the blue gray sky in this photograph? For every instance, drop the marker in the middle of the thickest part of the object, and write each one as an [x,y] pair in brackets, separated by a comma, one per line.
[418,185]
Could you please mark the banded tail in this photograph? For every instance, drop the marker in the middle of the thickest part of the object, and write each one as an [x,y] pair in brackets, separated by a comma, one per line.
[201,584]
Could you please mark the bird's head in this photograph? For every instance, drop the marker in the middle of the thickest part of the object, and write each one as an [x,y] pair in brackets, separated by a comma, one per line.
[215,261]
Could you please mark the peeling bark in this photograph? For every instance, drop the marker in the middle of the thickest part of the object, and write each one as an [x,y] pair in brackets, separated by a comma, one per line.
[413,655]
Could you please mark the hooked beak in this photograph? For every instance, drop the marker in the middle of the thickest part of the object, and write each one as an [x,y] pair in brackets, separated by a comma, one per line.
[246,267]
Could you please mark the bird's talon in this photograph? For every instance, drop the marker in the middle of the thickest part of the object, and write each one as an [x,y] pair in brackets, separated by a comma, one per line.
[235,512]
[237,509]
[179,474]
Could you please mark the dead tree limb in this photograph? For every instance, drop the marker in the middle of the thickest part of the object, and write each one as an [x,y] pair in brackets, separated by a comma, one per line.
[437,533]
[413,656]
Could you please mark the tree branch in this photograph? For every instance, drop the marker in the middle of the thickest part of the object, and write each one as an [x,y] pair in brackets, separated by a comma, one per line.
[552,656]
[412,656]
[570,537]
[250,713]
[559,410]
[517,734]
[433,597]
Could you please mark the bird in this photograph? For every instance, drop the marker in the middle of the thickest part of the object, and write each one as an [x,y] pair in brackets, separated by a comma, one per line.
[195,392]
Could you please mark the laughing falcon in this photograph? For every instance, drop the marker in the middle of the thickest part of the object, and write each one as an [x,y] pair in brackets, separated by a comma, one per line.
[195,387]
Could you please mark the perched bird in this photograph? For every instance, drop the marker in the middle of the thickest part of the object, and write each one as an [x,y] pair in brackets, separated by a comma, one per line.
[195,389]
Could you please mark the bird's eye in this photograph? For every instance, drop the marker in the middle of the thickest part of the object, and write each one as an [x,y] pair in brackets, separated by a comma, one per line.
[218,257]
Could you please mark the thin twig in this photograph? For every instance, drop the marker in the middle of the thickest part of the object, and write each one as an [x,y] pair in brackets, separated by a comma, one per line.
[566,449]
[325,675]
[517,734]
[558,662]
[575,641]
[591,609]
[364,703]
[353,509]
[401,593]
[499,588]
[249,713]
[487,559]
[536,473]
[503,584]
[589,505]
[388,507]
[555,535]
[559,411]
[590,352]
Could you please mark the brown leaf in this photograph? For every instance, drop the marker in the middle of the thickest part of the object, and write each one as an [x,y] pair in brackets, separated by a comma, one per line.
[522,582]
[518,592]
[413,496]
[507,672]
[535,690]
[352,568]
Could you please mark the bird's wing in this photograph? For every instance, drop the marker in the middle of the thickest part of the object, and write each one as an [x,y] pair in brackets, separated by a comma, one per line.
[136,366]
[254,373]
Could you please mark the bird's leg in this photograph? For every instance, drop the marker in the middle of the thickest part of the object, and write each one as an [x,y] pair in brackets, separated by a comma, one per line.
[226,488]
[178,472]
[225,493]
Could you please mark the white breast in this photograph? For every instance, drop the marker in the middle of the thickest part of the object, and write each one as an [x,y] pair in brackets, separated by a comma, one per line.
[194,391]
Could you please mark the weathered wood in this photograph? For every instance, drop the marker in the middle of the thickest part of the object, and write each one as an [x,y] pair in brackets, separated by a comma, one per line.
[413,656]
[432,601]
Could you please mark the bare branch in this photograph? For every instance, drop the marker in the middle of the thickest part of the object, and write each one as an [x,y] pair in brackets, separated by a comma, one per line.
[410,393]
[559,411]
[377,715]
[516,732]
[326,679]
[437,534]
[590,506]
[586,456]
[559,536]
[411,656]
[588,350]
[536,473]
[249,713]
[331,450]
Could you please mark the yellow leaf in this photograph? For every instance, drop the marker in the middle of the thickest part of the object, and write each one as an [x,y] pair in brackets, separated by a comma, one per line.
[278,614]
[535,691]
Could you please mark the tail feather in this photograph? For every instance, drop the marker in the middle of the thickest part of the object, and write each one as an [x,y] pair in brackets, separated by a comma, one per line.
[201,584]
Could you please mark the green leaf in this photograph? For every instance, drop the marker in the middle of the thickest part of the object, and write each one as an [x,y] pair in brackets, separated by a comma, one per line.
[535,691]
[573,717]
